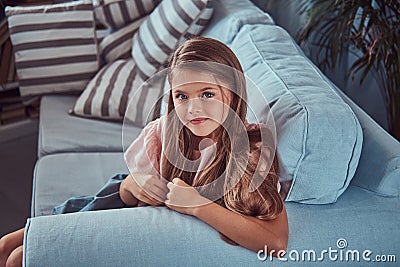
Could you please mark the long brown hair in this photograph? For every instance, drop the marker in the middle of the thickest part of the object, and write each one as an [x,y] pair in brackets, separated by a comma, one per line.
[236,168]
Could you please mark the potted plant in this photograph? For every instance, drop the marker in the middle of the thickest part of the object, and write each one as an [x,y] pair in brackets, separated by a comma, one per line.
[370,29]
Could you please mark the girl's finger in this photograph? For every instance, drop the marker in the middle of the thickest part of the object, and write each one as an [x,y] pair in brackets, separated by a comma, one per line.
[170,186]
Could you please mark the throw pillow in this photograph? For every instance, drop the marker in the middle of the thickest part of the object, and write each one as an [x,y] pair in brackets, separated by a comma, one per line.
[118,44]
[200,23]
[319,138]
[107,95]
[159,34]
[117,13]
[55,46]
[119,83]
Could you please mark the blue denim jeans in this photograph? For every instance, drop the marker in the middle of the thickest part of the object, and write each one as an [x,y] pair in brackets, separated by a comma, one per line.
[106,198]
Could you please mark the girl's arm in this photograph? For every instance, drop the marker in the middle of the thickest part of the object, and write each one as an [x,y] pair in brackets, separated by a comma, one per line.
[247,231]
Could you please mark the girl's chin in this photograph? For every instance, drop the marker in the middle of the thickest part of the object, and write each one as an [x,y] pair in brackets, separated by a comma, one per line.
[201,133]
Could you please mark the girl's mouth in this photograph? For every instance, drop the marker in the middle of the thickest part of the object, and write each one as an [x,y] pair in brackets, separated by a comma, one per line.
[198,121]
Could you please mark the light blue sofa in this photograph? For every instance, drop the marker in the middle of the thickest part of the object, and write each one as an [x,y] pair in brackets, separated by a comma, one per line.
[77,156]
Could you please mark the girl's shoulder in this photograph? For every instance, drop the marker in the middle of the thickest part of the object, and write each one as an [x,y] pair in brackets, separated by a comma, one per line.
[154,128]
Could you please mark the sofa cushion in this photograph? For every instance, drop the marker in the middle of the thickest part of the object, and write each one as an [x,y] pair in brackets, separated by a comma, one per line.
[55,46]
[60,132]
[61,176]
[229,16]
[319,138]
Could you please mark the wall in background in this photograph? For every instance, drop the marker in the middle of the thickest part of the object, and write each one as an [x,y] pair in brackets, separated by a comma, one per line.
[367,96]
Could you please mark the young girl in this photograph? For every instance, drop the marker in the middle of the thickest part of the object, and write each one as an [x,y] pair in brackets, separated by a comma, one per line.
[207,102]
[202,158]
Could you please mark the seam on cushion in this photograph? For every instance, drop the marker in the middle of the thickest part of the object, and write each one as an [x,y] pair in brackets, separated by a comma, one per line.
[25,242]
[351,159]
[34,186]
[305,132]
[34,189]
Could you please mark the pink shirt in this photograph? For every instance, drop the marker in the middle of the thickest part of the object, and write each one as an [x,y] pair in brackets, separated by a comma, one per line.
[144,154]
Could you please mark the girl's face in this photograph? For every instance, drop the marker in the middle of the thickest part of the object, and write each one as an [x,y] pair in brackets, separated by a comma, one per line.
[201,102]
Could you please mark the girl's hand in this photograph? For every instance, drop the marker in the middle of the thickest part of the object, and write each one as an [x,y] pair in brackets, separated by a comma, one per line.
[145,187]
[184,198]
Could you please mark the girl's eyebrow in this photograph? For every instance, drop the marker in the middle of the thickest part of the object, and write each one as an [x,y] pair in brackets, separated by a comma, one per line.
[199,90]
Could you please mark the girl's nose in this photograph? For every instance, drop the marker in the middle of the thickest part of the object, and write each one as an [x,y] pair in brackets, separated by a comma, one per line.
[195,106]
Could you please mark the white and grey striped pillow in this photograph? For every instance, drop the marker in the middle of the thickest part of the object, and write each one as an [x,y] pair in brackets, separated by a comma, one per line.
[55,46]
[118,44]
[118,13]
[160,33]
[108,93]
[197,27]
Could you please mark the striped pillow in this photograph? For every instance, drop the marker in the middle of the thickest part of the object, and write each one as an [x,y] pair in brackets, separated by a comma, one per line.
[160,33]
[108,93]
[118,44]
[55,46]
[198,26]
[118,13]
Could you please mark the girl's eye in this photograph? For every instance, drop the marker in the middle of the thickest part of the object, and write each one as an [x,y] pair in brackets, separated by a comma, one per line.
[181,96]
[208,95]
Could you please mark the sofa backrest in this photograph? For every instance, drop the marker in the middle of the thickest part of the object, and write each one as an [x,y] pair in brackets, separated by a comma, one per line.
[378,169]
[379,166]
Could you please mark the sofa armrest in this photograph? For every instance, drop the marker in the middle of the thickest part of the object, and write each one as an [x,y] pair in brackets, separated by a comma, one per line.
[379,165]
[146,236]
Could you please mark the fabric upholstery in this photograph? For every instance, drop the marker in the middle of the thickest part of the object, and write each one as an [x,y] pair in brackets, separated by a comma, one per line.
[116,14]
[60,132]
[118,44]
[159,34]
[117,90]
[379,166]
[157,236]
[202,21]
[83,175]
[55,46]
